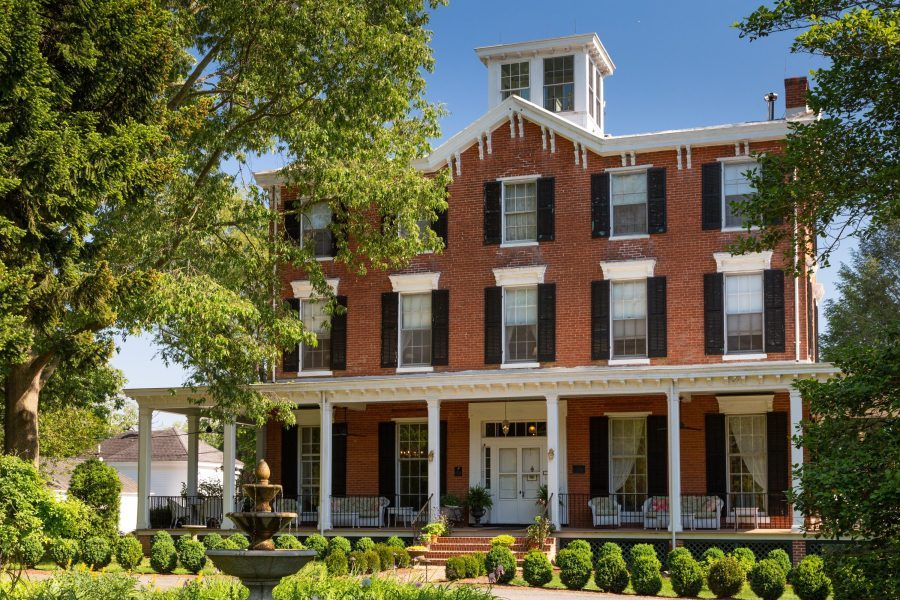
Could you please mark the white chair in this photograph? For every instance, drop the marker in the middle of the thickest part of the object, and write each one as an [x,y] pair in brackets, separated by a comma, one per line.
[701,512]
[180,514]
[656,512]
[605,511]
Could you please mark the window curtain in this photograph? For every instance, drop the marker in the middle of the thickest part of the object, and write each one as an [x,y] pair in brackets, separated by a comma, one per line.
[623,460]
[752,447]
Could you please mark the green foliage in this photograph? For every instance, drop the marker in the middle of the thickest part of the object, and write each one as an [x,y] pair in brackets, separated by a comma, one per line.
[288,542]
[25,504]
[192,555]
[364,543]
[71,431]
[31,549]
[580,545]
[319,544]
[746,557]
[851,576]
[503,540]
[229,544]
[608,548]
[63,552]
[809,579]
[437,528]
[179,543]
[401,557]
[782,559]
[163,557]
[536,569]
[726,577]
[574,562]
[129,552]
[639,550]
[538,532]
[676,553]
[685,574]
[645,576]
[214,540]
[387,556]
[501,563]
[709,557]
[373,560]
[357,564]
[479,497]
[307,585]
[838,172]
[239,540]
[70,518]
[96,552]
[339,543]
[456,568]
[396,542]
[611,573]
[475,564]
[767,579]
[336,561]
[84,585]
[164,536]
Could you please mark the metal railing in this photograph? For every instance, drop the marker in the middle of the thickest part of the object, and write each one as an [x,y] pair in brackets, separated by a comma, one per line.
[423,516]
[757,510]
[306,505]
[172,512]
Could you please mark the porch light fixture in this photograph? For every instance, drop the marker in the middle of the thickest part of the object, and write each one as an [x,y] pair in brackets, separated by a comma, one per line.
[550,453]
[505,425]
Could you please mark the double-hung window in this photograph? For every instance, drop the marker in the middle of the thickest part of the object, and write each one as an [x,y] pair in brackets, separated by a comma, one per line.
[628,461]
[747,461]
[744,313]
[629,319]
[520,212]
[315,231]
[415,330]
[514,80]
[520,318]
[412,458]
[559,83]
[629,203]
[736,189]
[316,319]
[309,468]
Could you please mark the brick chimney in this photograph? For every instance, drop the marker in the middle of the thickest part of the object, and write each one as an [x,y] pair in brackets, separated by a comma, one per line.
[795,89]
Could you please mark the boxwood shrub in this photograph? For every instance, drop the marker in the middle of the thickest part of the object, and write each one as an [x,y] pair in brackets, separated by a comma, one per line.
[536,569]
[639,550]
[475,564]
[64,552]
[288,542]
[395,542]
[501,562]
[574,562]
[611,573]
[31,549]
[365,543]
[645,577]
[710,556]
[783,560]
[239,540]
[746,557]
[675,553]
[767,579]
[162,536]
[503,540]
[456,568]
[96,552]
[339,542]
[685,574]
[608,548]
[726,577]
[336,562]
[163,557]
[213,541]
[809,579]
[129,552]
[319,544]
[193,556]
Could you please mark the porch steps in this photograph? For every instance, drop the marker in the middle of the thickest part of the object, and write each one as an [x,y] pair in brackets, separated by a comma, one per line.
[447,547]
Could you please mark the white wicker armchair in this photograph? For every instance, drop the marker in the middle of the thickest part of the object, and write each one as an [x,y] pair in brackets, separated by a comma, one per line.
[605,511]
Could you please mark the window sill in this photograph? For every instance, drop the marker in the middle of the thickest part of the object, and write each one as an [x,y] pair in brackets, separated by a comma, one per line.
[737,229]
[628,361]
[324,258]
[418,369]
[740,357]
[520,365]
[315,374]
[518,244]
[635,236]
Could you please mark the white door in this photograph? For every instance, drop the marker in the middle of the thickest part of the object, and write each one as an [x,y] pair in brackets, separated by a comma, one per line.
[521,470]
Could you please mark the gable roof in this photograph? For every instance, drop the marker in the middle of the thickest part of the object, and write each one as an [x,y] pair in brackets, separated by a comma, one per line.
[168,445]
[60,472]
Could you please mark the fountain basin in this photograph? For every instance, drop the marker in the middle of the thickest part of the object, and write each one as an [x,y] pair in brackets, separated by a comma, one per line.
[261,526]
[260,570]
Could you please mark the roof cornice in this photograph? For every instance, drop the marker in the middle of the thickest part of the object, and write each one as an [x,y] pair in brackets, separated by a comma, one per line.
[588,42]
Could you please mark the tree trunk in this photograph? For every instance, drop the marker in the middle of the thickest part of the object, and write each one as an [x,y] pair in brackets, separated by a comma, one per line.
[23,388]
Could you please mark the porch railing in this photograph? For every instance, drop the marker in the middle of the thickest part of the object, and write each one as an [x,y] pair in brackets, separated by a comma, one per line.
[171,512]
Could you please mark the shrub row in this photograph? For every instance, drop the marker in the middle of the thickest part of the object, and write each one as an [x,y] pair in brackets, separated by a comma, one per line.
[466,566]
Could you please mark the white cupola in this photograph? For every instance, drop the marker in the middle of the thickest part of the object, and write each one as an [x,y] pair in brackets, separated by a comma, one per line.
[563,75]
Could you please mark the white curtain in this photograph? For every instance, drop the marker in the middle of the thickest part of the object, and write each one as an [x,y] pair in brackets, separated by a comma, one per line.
[751,444]
[624,457]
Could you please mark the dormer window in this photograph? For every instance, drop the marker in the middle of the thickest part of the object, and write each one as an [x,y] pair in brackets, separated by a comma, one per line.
[514,81]
[559,83]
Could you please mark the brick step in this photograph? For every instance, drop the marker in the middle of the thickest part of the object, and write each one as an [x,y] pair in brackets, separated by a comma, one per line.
[485,540]
[439,545]
[449,553]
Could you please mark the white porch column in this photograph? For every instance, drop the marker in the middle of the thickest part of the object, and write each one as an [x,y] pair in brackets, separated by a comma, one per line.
[553,458]
[326,418]
[796,452]
[145,454]
[434,456]
[193,453]
[674,429]
[228,466]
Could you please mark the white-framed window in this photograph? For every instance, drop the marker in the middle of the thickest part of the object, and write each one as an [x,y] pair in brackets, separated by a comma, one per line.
[412,460]
[628,461]
[559,83]
[592,89]
[519,211]
[520,324]
[515,80]
[736,188]
[629,203]
[629,319]
[747,461]
[415,330]
[598,102]
[314,229]
[744,313]
[318,321]
[309,441]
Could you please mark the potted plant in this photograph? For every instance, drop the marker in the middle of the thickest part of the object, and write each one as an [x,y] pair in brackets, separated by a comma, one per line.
[478,500]
[451,507]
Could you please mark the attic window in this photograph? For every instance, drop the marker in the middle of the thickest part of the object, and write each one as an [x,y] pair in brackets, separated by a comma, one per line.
[514,81]
[559,83]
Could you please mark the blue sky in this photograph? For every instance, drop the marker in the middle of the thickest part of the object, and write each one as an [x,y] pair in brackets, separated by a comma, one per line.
[678,64]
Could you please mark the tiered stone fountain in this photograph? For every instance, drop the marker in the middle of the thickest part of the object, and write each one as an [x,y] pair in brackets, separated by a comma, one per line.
[261,567]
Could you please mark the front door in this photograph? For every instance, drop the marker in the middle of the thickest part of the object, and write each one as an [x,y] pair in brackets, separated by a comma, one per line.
[520,472]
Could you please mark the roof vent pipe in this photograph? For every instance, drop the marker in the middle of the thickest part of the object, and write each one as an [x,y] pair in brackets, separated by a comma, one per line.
[770,99]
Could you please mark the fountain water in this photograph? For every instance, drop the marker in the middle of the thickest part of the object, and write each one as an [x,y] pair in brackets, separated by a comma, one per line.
[262,566]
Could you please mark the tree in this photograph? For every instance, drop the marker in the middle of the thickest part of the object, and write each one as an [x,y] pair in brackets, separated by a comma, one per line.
[98,486]
[149,232]
[838,174]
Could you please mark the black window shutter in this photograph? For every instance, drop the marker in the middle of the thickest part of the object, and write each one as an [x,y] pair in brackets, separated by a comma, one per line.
[545,209]
[389,316]
[546,306]
[290,359]
[773,302]
[440,226]
[656,200]
[600,320]
[656,316]
[715,455]
[289,461]
[714,312]
[600,205]
[443,442]
[492,191]
[440,327]
[292,223]
[339,337]
[338,226]
[778,464]
[387,460]
[493,325]
[657,456]
[339,459]
[711,195]
[598,439]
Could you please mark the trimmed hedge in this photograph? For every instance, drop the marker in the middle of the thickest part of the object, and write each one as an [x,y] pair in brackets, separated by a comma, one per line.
[64,552]
[608,548]
[726,577]
[676,553]
[31,549]
[163,557]
[239,540]
[319,544]
[96,552]
[536,569]
[645,577]
[288,542]
[501,563]
[503,540]
[783,560]
[336,563]
[339,542]
[809,579]
[746,557]
[685,574]
[162,536]
[193,556]
[475,564]
[456,568]
[395,542]
[611,573]
[767,579]
[213,541]
[364,543]
[710,556]
[574,562]
[129,552]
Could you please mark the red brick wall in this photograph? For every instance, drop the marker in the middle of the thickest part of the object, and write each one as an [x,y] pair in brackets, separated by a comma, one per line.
[683,255]
[795,89]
